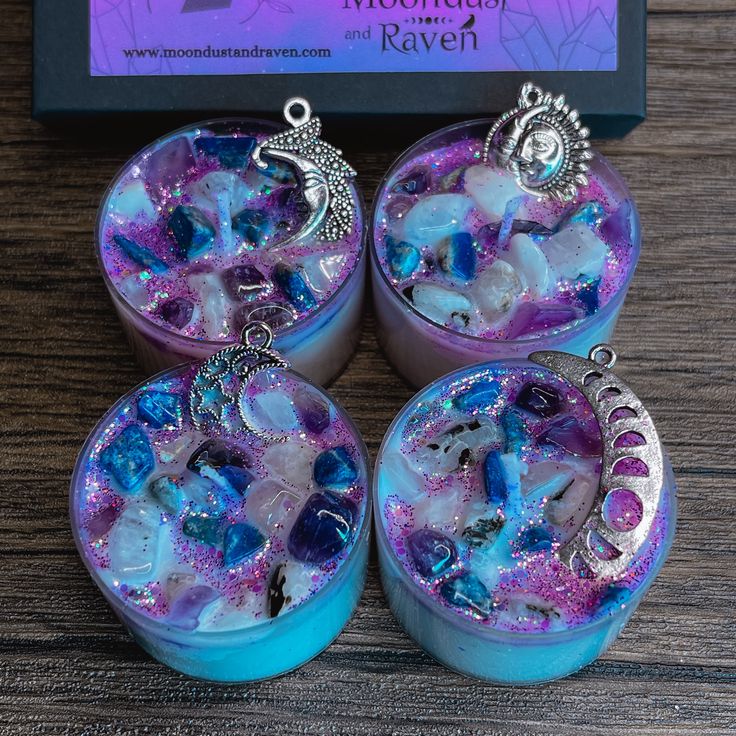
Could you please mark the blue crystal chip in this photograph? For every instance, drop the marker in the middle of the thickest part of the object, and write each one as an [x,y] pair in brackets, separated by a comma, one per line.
[129,457]
[588,295]
[335,469]
[159,409]
[459,257]
[323,528]
[468,591]
[252,225]
[515,430]
[402,258]
[232,152]
[241,541]
[497,491]
[141,255]
[294,287]
[204,529]
[481,395]
[191,229]
[534,539]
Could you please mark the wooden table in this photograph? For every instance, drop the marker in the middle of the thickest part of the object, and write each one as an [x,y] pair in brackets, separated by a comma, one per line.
[66,664]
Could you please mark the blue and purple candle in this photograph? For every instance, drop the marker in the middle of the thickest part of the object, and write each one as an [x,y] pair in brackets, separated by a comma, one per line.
[192,242]
[230,556]
[468,267]
[481,480]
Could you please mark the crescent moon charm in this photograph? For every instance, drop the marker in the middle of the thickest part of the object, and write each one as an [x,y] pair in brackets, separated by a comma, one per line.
[618,412]
[218,387]
[325,176]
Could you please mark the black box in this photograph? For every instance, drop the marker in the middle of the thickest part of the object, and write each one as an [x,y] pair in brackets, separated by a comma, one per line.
[612,101]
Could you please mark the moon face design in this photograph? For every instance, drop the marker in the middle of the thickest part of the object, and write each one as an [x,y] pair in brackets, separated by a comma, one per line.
[324,175]
[620,416]
[218,387]
[542,143]
[315,190]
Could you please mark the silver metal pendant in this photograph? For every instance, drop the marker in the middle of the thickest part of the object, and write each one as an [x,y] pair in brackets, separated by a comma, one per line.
[542,143]
[325,176]
[618,412]
[217,393]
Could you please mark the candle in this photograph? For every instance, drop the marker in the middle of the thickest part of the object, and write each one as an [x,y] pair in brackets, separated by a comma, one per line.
[476,258]
[210,228]
[518,526]
[231,553]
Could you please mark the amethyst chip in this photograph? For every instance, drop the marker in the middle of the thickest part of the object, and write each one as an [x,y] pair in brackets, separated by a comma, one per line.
[323,528]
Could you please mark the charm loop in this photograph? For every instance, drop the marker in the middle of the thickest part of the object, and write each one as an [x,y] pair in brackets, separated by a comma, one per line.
[253,331]
[603,355]
[620,416]
[324,175]
[295,103]
[542,143]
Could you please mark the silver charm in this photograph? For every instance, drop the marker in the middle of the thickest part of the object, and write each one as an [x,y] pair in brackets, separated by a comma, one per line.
[218,388]
[542,143]
[324,174]
[607,394]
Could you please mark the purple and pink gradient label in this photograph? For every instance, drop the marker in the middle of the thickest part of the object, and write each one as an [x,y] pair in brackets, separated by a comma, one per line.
[209,37]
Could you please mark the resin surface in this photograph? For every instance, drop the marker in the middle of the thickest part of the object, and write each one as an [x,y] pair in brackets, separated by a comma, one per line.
[218,532]
[469,250]
[484,477]
[189,235]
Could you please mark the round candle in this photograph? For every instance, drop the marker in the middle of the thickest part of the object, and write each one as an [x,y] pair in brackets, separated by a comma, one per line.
[481,481]
[468,266]
[195,241]
[230,556]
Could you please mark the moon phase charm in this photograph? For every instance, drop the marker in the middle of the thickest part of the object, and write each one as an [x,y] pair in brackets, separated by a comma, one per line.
[620,415]
[324,174]
[542,143]
[219,386]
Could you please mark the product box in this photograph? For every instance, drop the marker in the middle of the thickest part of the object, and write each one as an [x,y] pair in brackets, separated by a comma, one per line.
[422,62]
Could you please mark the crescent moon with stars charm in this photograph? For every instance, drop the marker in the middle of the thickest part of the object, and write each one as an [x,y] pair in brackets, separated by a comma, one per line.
[618,412]
[219,386]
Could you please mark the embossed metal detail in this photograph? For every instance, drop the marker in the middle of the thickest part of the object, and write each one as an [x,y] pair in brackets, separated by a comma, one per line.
[218,388]
[611,398]
[542,143]
[324,174]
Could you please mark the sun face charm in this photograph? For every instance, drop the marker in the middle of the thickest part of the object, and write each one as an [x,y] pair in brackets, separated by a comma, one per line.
[542,142]
[324,174]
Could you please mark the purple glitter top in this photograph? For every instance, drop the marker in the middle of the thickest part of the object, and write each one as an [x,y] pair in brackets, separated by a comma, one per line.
[189,236]
[468,249]
[484,477]
[218,532]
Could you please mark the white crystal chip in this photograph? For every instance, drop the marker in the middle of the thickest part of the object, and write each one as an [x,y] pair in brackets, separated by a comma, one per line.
[576,250]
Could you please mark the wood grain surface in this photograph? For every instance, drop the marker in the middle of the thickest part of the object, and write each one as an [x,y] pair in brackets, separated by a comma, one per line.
[66,664]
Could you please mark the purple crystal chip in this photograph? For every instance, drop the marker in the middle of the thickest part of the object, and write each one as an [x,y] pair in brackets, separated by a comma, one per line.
[530,318]
[536,398]
[177,312]
[187,608]
[323,528]
[245,283]
[313,410]
[432,552]
[571,436]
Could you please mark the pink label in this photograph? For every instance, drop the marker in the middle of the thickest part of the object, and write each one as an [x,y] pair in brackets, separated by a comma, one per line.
[186,37]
